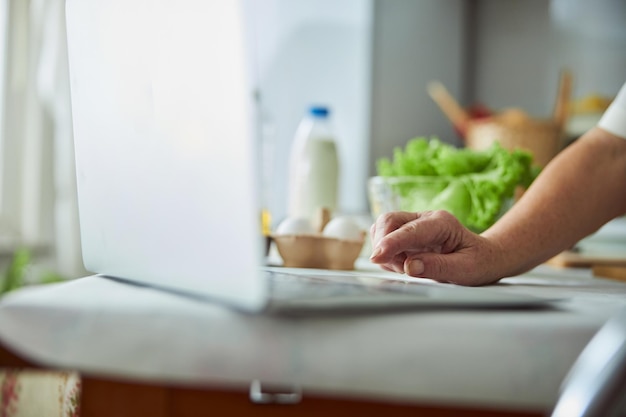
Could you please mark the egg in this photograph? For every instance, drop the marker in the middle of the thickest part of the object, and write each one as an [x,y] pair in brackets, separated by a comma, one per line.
[295,226]
[344,228]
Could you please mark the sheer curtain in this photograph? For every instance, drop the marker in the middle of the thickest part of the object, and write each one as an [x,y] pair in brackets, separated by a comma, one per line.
[38,206]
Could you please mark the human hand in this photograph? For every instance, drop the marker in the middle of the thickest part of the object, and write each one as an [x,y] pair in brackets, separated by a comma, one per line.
[434,245]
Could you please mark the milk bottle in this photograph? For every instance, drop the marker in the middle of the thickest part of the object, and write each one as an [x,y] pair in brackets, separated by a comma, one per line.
[313,166]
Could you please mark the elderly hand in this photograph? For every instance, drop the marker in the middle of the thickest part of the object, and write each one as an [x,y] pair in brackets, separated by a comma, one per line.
[433,245]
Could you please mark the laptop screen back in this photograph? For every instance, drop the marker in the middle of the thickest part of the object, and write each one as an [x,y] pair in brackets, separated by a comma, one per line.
[163,130]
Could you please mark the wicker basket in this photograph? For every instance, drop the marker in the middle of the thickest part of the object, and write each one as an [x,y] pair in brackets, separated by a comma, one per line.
[512,129]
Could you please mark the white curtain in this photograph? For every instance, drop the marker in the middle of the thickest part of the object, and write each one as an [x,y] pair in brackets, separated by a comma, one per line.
[38,194]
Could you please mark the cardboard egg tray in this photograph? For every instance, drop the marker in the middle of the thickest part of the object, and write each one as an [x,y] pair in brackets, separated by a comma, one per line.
[317,251]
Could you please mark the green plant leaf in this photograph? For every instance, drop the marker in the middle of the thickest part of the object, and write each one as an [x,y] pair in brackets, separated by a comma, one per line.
[16,271]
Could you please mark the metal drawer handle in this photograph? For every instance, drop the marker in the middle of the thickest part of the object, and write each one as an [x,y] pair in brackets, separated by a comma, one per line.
[257,396]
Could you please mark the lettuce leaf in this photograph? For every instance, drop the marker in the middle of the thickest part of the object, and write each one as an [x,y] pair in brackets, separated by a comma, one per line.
[475,186]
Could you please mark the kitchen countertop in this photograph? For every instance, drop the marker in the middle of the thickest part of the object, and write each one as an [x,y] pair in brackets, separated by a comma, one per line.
[496,358]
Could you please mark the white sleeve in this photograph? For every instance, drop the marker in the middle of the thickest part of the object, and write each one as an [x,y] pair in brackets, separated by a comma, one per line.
[614,118]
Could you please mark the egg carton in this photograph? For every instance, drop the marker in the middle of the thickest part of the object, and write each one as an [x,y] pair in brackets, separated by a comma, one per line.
[332,244]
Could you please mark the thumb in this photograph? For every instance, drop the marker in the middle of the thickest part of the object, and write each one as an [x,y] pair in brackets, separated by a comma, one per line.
[442,267]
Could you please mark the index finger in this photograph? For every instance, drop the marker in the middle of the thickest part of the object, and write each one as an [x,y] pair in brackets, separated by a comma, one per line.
[388,222]
[427,232]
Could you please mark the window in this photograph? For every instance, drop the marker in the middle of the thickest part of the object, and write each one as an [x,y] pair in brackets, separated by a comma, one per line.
[37,184]
[5,234]
[25,146]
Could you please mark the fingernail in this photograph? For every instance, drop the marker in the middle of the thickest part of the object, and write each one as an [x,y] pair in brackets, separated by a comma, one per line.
[398,269]
[415,267]
[377,251]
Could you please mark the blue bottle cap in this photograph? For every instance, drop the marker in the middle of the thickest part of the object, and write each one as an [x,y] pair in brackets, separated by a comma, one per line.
[319,111]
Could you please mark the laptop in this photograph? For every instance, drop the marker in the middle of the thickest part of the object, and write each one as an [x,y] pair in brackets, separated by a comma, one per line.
[167,161]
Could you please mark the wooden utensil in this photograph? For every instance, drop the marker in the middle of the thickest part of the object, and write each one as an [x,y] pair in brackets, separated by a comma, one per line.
[449,106]
[561,107]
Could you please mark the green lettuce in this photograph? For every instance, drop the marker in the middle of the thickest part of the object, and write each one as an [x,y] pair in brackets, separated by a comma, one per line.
[475,186]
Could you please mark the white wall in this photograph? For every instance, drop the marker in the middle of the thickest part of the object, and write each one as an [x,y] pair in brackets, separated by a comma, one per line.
[316,51]
[591,40]
[415,42]
[521,45]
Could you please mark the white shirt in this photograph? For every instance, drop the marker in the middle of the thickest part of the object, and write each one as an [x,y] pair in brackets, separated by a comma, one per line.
[614,118]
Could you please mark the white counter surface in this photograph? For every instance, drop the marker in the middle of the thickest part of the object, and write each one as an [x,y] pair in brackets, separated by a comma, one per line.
[510,358]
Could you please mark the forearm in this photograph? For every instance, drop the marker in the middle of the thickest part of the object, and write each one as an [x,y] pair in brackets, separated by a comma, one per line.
[580,190]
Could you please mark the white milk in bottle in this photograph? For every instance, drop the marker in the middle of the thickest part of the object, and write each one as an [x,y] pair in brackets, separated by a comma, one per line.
[313,166]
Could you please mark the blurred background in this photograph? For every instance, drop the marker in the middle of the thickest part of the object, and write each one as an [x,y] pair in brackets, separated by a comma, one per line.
[368,60]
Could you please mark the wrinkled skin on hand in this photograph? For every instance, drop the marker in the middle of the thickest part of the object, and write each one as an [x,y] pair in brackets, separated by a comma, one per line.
[434,245]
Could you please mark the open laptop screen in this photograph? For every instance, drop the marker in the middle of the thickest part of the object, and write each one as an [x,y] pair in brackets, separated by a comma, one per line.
[166,161]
